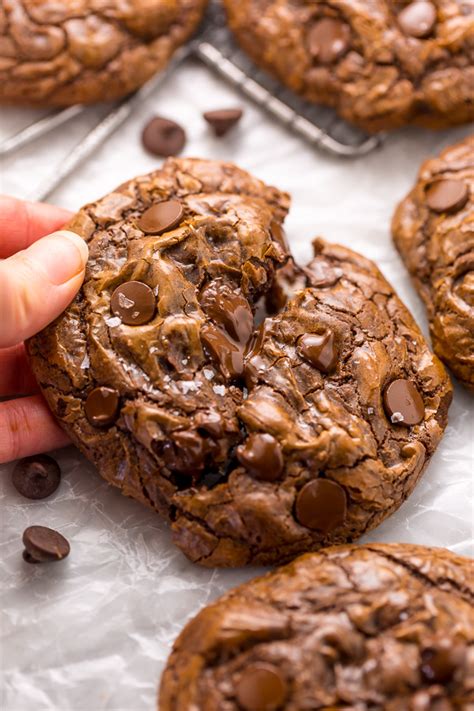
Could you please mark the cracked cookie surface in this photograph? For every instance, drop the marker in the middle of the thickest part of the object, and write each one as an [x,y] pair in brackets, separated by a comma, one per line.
[382,627]
[380,63]
[257,436]
[433,229]
[61,52]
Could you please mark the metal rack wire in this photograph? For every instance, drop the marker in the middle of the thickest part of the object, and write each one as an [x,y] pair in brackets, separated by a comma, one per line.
[215,46]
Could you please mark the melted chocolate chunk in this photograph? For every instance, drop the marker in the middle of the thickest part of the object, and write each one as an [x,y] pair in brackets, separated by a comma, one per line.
[446,195]
[262,456]
[328,40]
[161,217]
[319,350]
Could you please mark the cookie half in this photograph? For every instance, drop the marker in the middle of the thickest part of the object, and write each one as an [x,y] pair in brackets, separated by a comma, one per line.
[383,627]
[381,64]
[256,442]
[61,53]
[433,229]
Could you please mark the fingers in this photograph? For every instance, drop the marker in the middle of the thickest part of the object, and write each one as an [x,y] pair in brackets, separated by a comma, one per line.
[27,427]
[37,284]
[16,377]
[22,223]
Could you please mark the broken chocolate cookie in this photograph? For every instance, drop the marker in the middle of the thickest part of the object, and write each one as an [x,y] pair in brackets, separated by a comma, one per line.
[383,627]
[256,440]
[433,229]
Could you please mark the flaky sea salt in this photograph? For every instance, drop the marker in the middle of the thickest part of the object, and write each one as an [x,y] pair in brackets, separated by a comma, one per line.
[370,410]
[188,386]
[113,321]
[219,389]
[208,374]
[125,302]
[397,417]
[85,363]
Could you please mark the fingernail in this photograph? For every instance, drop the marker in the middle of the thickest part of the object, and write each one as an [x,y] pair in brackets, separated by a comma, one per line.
[62,255]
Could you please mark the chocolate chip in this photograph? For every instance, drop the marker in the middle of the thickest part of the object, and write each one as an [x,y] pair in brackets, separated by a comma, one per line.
[438,665]
[261,455]
[134,303]
[223,120]
[162,217]
[403,403]
[328,39]
[211,423]
[321,505]
[228,355]
[102,406]
[36,477]
[261,687]
[418,19]
[163,137]
[446,195]
[319,350]
[43,545]
[188,453]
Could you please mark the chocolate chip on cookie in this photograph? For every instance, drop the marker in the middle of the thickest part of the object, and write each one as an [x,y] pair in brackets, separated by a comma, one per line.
[446,195]
[328,39]
[418,18]
[36,477]
[102,406]
[261,687]
[403,403]
[331,630]
[163,137]
[44,545]
[321,505]
[223,120]
[134,303]
[258,436]
[433,231]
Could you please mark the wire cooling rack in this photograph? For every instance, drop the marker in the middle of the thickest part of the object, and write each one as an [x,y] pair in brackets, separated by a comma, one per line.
[215,46]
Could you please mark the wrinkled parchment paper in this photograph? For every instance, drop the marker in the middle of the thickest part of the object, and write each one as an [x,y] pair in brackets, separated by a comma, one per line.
[92,633]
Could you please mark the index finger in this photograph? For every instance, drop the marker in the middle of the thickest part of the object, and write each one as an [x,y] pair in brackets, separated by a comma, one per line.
[22,223]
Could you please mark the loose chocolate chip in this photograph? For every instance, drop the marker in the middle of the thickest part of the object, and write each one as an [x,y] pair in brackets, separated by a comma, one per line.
[418,19]
[134,303]
[36,477]
[319,350]
[261,687]
[438,665]
[163,137]
[162,217]
[261,455]
[102,406]
[403,403]
[328,39]
[446,195]
[223,120]
[321,505]
[43,545]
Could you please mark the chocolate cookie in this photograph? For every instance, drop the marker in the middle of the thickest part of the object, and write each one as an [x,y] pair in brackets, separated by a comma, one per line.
[380,63]
[257,444]
[60,52]
[433,229]
[382,627]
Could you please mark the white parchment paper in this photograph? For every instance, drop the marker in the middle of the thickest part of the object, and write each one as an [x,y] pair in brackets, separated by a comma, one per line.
[93,633]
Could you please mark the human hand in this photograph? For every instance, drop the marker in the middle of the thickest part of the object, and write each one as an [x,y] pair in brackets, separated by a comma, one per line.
[39,277]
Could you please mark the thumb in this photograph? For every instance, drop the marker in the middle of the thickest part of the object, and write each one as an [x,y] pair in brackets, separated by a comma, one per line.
[37,284]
